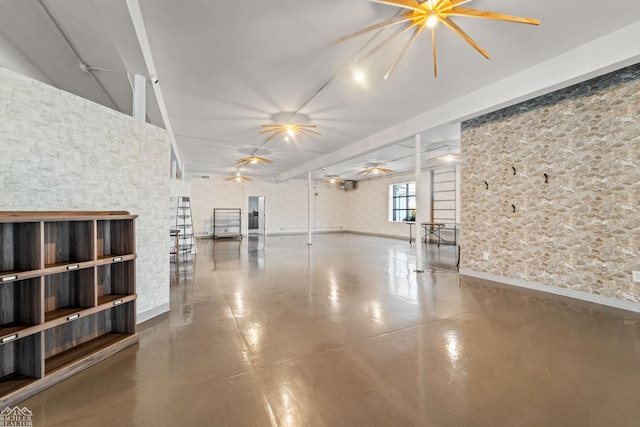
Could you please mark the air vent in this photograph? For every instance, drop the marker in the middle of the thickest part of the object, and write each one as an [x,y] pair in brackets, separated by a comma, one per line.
[349,185]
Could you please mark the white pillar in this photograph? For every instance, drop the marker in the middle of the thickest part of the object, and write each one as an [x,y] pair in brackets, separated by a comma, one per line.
[418,219]
[309,208]
[139,97]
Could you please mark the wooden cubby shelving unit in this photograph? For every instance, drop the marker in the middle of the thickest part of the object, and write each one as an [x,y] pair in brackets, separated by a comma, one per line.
[67,295]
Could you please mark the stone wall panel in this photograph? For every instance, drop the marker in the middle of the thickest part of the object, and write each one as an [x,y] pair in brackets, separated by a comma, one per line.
[581,229]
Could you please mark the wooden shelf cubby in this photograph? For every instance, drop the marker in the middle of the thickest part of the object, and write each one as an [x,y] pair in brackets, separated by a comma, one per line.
[115,238]
[115,281]
[19,249]
[68,242]
[20,303]
[67,295]
[20,364]
[69,292]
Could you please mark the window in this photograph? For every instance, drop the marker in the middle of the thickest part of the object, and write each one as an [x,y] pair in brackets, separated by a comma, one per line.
[402,202]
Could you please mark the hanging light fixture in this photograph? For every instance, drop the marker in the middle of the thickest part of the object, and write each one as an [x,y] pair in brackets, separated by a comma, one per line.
[238,178]
[449,158]
[376,170]
[332,179]
[428,14]
[289,129]
[252,160]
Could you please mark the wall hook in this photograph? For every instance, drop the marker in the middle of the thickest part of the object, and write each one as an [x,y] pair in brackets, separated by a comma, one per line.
[514,207]
[487,184]
[546,178]
[514,169]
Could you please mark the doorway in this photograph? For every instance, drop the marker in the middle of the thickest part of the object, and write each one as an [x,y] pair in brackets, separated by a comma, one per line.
[256,215]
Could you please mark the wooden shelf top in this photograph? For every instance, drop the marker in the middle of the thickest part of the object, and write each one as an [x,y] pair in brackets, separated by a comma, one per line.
[31,216]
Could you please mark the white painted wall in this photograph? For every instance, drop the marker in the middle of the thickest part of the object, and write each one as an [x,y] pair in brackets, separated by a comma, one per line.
[286,204]
[364,210]
[62,152]
[369,205]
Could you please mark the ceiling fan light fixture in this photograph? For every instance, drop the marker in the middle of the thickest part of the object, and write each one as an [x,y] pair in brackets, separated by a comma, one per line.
[253,160]
[289,130]
[332,179]
[238,178]
[376,170]
[432,19]
[418,15]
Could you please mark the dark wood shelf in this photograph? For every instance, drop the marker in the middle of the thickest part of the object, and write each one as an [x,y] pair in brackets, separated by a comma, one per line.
[68,298]
[80,263]
[14,382]
[106,299]
[83,351]
[61,312]
[12,328]
[109,257]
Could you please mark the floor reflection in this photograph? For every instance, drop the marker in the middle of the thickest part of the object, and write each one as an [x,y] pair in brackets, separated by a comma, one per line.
[271,331]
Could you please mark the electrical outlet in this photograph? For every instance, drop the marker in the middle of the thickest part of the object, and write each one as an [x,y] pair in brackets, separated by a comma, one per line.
[486,255]
[636,276]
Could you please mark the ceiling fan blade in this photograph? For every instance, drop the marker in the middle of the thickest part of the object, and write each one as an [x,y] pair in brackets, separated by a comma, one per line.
[452,25]
[420,26]
[445,5]
[406,16]
[475,13]
[274,135]
[306,134]
[392,37]
[268,130]
[310,131]
[433,46]
[407,4]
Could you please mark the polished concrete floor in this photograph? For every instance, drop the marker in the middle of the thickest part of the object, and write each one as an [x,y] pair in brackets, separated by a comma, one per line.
[272,332]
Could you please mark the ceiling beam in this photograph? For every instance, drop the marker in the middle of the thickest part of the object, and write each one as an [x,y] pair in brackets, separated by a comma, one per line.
[141,32]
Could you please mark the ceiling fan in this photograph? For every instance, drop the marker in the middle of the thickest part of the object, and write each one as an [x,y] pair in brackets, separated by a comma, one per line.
[444,158]
[332,179]
[376,170]
[289,129]
[429,13]
[252,160]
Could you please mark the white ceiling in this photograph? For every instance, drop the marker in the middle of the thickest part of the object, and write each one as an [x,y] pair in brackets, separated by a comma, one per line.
[226,68]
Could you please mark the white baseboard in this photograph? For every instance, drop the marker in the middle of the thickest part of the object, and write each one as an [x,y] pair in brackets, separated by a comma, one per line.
[536,286]
[150,314]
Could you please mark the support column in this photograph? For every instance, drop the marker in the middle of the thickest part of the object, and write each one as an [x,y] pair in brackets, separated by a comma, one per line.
[418,218]
[139,97]
[309,208]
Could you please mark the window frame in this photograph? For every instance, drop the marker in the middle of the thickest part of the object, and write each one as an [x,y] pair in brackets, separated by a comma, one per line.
[402,205]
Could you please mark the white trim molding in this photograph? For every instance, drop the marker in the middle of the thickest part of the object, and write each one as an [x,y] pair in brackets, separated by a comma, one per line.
[570,293]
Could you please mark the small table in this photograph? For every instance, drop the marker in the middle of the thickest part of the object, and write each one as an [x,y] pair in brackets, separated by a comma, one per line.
[410,223]
[433,229]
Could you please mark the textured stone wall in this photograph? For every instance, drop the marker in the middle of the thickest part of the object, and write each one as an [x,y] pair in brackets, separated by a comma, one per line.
[581,230]
[62,152]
